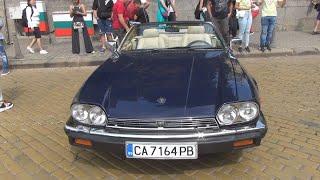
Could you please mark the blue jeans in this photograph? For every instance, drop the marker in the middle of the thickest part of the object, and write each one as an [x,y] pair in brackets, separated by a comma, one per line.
[245,23]
[105,26]
[268,24]
[3,56]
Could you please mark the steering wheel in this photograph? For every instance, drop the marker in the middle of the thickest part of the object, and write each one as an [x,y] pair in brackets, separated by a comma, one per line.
[197,42]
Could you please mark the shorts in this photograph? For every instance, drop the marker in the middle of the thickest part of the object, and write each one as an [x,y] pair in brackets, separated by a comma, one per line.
[36,32]
[105,26]
[318,17]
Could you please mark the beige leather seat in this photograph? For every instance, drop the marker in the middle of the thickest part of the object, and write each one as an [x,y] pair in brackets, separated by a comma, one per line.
[195,33]
[151,40]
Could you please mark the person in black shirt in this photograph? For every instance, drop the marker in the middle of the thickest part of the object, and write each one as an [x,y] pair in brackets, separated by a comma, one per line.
[219,12]
[141,14]
[102,11]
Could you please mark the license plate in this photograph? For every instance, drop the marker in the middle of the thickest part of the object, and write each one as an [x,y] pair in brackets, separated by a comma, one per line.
[149,150]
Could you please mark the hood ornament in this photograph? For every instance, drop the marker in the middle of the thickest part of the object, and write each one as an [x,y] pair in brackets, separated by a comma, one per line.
[161,100]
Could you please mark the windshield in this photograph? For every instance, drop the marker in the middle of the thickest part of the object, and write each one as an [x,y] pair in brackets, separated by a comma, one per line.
[172,36]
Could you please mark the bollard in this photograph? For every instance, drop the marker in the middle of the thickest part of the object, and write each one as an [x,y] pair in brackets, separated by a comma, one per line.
[81,42]
[17,50]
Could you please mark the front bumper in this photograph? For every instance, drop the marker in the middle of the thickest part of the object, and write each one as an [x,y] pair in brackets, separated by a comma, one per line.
[218,140]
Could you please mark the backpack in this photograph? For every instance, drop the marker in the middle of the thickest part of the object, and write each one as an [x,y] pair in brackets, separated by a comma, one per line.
[24,21]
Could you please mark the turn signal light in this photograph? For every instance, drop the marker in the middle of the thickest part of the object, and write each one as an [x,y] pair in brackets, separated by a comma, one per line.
[242,143]
[83,142]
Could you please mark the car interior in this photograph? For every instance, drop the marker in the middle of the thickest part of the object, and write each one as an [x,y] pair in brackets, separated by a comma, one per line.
[159,38]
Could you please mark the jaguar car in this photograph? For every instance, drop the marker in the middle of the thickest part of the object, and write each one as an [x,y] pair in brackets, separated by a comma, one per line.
[169,91]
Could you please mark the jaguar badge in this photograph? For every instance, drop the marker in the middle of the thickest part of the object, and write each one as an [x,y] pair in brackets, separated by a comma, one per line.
[161,100]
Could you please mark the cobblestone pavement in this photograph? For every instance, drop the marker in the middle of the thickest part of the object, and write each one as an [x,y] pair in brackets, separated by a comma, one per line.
[33,144]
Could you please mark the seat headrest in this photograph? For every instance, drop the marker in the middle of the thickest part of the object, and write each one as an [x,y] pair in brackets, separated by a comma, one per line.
[150,33]
[196,30]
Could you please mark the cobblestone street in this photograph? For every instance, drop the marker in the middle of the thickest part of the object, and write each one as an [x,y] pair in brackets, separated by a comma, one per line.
[33,144]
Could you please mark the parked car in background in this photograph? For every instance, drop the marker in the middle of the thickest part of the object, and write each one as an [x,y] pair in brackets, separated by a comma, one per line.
[170,91]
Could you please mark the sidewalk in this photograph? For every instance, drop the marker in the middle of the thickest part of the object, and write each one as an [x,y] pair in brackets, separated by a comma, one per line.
[287,44]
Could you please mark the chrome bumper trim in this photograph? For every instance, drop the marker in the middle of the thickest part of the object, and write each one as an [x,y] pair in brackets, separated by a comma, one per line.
[259,127]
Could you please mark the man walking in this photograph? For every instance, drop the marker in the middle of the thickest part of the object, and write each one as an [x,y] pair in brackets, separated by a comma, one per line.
[102,11]
[219,12]
[268,21]
[119,19]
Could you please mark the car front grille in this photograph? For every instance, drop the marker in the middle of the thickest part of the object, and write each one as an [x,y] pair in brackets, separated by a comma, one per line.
[168,123]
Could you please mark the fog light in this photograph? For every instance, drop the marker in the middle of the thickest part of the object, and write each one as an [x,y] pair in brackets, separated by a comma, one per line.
[83,142]
[242,143]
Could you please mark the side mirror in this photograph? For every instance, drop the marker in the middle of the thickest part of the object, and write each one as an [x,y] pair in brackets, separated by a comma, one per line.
[235,41]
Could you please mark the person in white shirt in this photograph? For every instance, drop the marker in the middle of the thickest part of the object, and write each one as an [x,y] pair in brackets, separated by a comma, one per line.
[33,23]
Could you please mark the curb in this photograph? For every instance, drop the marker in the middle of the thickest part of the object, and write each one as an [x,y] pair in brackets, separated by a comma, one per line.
[79,62]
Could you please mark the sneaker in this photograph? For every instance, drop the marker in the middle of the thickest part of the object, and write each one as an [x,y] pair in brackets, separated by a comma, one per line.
[43,52]
[269,48]
[252,33]
[247,49]
[30,50]
[240,49]
[5,73]
[262,49]
[5,106]
[315,33]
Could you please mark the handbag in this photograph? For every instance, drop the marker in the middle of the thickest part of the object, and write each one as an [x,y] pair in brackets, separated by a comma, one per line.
[78,25]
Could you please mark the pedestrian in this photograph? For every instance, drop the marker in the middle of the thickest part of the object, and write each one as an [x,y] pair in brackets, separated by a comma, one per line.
[268,21]
[77,11]
[219,12]
[33,17]
[317,26]
[233,21]
[119,19]
[142,14]
[172,10]
[203,10]
[244,16]
[132,9]
[163,11]
[255,13]
[102,11]
[3,55]
[4,105]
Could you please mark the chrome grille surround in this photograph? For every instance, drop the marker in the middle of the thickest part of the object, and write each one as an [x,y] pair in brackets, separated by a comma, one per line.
[165,123]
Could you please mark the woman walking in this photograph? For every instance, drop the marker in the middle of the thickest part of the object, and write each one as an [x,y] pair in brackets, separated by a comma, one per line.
[77,11]
[245,21]
[163,11]
[33,17]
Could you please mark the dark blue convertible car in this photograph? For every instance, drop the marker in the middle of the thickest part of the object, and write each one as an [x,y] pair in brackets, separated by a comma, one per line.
[170,91]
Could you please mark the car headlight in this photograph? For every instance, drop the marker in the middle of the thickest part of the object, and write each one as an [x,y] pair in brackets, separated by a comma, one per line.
[89,114]
[235,113]
[80,113]
[97,116]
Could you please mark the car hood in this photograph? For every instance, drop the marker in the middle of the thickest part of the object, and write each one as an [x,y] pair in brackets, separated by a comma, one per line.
[161,85]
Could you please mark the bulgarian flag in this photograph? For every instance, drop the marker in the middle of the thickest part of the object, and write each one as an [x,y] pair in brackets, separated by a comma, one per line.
[44,27]
[62,23]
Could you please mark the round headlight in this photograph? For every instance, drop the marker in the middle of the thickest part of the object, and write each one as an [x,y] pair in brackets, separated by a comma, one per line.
[79,113]
[97,116]
[248,111]
[227,114]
